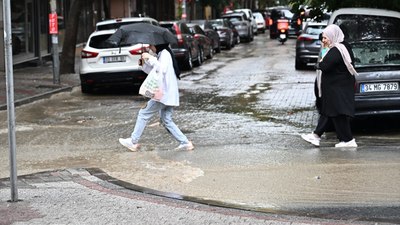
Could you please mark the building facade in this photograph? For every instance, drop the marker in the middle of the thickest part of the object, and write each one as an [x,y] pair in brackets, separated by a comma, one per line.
[31,41]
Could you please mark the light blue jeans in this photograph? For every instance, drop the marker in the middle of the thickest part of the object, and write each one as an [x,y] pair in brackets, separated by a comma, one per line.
[145,115]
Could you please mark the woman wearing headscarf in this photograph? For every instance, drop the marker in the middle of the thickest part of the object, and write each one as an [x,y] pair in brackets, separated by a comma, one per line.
[165,64]
[335,89]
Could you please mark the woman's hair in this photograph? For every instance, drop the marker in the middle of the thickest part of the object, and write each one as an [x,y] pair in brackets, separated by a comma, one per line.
[161,47]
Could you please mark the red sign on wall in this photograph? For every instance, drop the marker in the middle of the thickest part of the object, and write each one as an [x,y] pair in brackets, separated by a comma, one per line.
[53,23]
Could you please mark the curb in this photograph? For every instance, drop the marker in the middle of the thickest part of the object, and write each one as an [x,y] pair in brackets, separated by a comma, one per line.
[37,97]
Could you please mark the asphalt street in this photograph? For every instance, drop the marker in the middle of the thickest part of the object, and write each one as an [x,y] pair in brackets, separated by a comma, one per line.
[248,156]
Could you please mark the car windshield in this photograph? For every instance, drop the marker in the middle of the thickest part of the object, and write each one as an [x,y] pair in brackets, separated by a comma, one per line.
[235,19]
[361,27]
[217,23]
[287,13]
[314,30]
[376,53]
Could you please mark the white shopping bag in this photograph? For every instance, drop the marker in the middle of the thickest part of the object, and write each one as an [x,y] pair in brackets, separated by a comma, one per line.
[151,86]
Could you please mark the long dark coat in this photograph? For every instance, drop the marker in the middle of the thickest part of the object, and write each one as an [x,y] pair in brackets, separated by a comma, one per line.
[337,85]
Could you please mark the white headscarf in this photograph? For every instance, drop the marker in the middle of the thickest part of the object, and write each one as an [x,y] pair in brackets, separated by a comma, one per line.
[336,36]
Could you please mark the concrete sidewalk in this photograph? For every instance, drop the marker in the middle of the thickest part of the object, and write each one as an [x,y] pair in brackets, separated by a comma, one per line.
[79,196]
[33,83]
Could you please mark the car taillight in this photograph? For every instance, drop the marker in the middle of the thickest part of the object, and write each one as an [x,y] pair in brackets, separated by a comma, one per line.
[270,22]
[139,50]
[178,34]
[299,21]
[304,39]
[196,36]
[87,54]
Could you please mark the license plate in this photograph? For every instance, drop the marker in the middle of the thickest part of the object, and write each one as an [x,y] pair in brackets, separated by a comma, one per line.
[113,59]
[282,36]
[379,87]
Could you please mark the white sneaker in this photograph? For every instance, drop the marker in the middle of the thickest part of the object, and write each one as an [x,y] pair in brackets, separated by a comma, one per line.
[189,146]
[127,142]
[312,138]
[349,144]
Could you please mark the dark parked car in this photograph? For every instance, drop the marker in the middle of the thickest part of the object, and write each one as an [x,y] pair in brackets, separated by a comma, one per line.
[187,49]
[225,32]
[205,45]
[374,35]
[308,45]
[211,32]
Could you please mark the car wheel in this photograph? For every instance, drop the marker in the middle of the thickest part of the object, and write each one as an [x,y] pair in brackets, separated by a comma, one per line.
[251,36]
[199,60]
[218,49]
[189,63]
[211,54]
[202,57]
[228,44]
[298,65]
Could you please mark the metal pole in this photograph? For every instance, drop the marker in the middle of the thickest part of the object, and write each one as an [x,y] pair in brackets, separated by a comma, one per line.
[10,97]
[184,15]
[55,52]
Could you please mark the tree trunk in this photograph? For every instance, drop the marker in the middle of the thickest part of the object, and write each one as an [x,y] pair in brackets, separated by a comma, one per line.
[67,64]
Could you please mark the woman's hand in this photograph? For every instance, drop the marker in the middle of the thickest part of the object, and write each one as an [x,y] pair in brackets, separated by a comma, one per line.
[146,56]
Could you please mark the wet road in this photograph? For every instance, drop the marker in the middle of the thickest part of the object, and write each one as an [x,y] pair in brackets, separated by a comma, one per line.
[244,111]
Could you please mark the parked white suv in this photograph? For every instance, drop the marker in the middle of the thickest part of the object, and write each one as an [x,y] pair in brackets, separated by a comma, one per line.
[116,23]
[103,64]
[374,35]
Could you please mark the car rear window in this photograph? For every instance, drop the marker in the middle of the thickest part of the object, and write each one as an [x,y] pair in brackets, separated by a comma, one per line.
[169,26]
[362,27]
[376,53]
[117,25]
[314,29]
[234,19]
[99,41]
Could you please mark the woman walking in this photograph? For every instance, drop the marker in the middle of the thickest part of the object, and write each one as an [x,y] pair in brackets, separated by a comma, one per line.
[335,89]
[167,67]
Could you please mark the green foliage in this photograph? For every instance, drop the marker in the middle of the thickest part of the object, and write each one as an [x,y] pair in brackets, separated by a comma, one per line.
[180,11]
[317,7]
[331,5]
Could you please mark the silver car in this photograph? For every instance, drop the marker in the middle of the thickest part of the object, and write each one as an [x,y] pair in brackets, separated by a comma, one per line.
[242,25]
[374,35]
[308,45]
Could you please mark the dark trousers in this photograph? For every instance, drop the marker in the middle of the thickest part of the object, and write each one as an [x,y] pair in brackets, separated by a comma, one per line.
[340,123]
